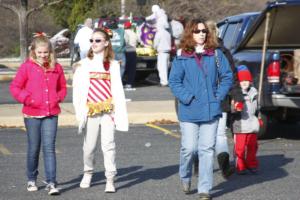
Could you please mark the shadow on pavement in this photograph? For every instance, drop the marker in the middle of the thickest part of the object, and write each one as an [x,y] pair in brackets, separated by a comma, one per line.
[159,173]
[98,178]
[287,130]
[270,169]
[132,175]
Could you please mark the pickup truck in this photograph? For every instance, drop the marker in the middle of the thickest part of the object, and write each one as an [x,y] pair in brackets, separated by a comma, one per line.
[268,42]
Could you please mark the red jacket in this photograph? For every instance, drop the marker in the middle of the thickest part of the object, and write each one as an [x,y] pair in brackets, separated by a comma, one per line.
[40,91]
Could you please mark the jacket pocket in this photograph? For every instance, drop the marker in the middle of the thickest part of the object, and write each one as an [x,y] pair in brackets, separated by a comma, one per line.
[33,102]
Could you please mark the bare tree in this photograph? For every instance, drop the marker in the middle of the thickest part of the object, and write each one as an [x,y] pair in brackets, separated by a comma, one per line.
[23,12]
[210,9]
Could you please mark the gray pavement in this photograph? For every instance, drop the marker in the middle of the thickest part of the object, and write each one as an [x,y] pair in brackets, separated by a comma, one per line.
[147,172]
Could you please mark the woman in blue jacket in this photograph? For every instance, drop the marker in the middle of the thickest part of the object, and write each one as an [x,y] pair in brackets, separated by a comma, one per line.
[200,84]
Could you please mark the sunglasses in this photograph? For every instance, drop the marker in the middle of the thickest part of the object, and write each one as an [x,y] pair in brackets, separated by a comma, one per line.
[96,40]
[197,31]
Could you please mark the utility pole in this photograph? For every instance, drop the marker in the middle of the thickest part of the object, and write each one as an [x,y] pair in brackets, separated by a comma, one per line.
[122,8]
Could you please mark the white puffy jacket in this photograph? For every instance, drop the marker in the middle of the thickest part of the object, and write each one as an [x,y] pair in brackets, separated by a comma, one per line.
[81,84]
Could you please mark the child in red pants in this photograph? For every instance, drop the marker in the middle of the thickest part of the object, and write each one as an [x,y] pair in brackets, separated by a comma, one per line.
[245,125]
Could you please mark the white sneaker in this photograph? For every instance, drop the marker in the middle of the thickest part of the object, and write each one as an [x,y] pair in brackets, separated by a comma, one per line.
[128,87]
[52,189]
[86,180]
[110,188]
[31,186]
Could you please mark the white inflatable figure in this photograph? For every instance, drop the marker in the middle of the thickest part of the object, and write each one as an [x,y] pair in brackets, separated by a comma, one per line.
[158,14]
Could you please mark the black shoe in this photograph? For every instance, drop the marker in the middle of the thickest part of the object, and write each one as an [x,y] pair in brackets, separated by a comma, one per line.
[224,164]
[253,170]
[204,196]
[242,172]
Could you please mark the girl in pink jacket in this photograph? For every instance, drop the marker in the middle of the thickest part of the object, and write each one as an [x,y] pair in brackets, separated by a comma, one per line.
[40,85]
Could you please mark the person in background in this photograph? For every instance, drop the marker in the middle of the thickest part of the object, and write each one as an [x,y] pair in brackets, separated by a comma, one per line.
[118,43]
[176,31]
[82,37]
[200,86]
[158,15]
[246,125]
[131,40]
[99,100]
[40,85]
[162,44]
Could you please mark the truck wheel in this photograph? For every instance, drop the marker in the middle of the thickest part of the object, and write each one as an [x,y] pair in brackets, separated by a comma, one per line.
[264,129]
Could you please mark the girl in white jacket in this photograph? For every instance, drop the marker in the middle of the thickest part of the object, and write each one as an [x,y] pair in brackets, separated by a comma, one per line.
[99,100]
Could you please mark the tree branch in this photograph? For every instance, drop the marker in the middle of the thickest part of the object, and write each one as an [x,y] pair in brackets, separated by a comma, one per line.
[8,6]
[41,6]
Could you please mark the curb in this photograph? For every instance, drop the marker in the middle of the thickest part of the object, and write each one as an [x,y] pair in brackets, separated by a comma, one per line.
[139,112]
[6,77]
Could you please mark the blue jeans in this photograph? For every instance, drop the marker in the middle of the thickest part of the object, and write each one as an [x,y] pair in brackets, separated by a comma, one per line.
[121,57]
[41,131]
[221,142]
[198,137]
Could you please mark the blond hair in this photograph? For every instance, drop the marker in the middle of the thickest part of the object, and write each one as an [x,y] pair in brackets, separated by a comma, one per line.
[40,41]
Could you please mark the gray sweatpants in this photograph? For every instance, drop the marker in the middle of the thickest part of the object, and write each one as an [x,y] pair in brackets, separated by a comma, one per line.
[107,144]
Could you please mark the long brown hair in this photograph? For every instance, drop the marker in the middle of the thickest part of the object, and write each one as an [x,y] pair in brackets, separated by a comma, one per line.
[108,51]
[213,29]
[188,43]
[42,39]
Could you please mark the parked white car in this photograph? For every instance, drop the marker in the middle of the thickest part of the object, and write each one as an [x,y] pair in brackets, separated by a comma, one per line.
[61,43]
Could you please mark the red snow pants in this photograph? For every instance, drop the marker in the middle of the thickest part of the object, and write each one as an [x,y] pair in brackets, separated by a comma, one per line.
[245,148]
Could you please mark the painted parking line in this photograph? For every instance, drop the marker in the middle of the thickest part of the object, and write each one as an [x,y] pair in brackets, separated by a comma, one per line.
[4,150]
[165,131]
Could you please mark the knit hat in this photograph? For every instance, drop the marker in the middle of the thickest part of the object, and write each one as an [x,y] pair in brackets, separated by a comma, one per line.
[127,24]
[243,73]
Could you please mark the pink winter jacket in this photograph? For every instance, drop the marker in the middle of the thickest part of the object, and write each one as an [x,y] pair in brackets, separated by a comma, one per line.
[40,91]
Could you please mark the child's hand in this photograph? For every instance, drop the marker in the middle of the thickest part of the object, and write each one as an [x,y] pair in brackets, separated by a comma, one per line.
[261,122]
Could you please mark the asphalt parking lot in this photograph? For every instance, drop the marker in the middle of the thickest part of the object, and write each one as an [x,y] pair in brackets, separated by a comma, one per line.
[147,161]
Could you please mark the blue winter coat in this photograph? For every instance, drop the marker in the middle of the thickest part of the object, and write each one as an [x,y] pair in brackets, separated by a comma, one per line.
[199,87]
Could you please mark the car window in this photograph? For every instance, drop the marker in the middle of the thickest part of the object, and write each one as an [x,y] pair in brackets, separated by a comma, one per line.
[231,34]
[221,30]
[248,25]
